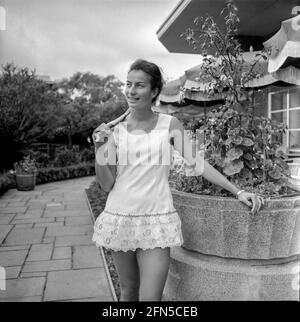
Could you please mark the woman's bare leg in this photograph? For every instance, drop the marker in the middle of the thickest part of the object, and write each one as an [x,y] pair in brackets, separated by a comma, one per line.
[154,267]
[128,273]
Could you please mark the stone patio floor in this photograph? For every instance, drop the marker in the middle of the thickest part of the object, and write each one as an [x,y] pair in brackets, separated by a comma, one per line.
[46,252]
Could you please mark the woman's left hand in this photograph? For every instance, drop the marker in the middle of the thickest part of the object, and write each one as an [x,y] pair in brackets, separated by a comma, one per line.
[251,200]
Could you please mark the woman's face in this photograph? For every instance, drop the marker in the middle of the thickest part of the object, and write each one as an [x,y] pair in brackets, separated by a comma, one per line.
[138,90]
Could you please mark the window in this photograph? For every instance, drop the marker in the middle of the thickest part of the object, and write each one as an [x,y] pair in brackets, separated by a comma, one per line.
[284,107]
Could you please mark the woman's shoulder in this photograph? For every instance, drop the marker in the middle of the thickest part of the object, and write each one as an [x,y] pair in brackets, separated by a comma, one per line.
[175,124]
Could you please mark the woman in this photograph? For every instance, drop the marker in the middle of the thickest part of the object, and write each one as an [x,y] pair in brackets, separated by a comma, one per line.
[139,223]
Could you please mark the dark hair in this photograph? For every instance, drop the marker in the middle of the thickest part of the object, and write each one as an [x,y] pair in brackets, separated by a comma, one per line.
[156,79]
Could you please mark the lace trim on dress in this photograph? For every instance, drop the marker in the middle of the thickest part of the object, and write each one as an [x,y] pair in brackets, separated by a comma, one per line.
[146,232]
[133,214]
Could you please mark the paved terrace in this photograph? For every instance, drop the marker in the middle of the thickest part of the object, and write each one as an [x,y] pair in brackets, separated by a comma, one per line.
[46,248]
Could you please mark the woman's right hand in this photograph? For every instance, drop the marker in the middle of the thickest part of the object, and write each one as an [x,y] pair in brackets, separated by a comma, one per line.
[104,130]
[101,133]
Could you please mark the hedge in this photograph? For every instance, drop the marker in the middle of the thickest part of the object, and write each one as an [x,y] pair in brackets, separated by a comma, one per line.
[51,174]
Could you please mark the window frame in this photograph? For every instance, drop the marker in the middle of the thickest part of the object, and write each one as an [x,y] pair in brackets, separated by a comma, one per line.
[286,144]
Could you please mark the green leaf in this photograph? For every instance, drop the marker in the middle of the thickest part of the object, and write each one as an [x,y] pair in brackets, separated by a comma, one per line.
[275,174]
[234,167]
[248,156]
[252,164]
[237,140]
[247,142]
[234,154]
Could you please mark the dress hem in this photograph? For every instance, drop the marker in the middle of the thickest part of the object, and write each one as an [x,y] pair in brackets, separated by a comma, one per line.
[134,249]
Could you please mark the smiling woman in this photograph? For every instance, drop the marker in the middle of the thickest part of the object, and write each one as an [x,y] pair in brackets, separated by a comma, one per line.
[139,222]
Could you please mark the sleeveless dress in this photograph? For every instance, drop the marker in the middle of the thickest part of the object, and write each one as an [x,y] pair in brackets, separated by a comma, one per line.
[139,211]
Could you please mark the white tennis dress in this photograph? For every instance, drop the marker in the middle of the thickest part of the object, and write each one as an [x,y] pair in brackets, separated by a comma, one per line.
[139,211]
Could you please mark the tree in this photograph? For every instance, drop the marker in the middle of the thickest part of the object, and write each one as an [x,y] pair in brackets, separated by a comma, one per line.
[226,73]
[242,146]
[28,111]
[90,100]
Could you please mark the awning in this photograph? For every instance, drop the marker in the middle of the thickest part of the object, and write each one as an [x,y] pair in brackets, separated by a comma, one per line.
[189,86]
[284,46]
[259,19]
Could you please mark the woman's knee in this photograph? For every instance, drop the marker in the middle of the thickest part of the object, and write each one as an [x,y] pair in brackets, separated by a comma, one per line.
[129,291]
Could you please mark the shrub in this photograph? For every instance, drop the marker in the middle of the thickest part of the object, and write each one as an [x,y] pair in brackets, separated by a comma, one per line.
[6,182]
[42,159]
[67,157]
[57,173]
[26,166]
[87,155]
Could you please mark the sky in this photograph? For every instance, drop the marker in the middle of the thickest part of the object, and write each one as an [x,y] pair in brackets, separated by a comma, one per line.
[61,37]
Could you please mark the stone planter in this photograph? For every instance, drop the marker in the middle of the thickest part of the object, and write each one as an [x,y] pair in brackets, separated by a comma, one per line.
[231,254]
[26,182]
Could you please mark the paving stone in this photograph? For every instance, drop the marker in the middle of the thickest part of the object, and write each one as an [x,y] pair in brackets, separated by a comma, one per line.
[29,215]
[11,248]
[8,199]
[25,299]
[46,266]
[12,272]
[87,257]
[19,236]
[60,219]
[38,202]
[16,204]
[93,299]
[49,224]
[66,213]
[13,210]
[32,220]
[58,199]
[19,288]
[40,207]
[56,193]
[62,252]
[4,230]
[24,225]
[78,207]
[73,240]
[11,195]
[48,240]
[13,258]
[68,230]
[76,284]
[33,213]
[40,252]
[70,221]
[6,218]
[24,198]
[33,274]
[54,207]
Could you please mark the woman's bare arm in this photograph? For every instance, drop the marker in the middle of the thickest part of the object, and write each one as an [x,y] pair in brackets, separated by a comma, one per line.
[184,146]
[105,164]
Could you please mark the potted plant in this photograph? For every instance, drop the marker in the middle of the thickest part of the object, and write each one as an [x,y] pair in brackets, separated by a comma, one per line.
[229,253]
[25,173]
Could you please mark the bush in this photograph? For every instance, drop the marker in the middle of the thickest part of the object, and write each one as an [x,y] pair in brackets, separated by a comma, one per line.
[57,173]
[45,175]
[6,182]
[87,155]
[67,157]
[42,159]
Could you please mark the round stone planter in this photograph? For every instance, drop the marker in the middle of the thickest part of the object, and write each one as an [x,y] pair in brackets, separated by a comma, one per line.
[231,254]
[25,182]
